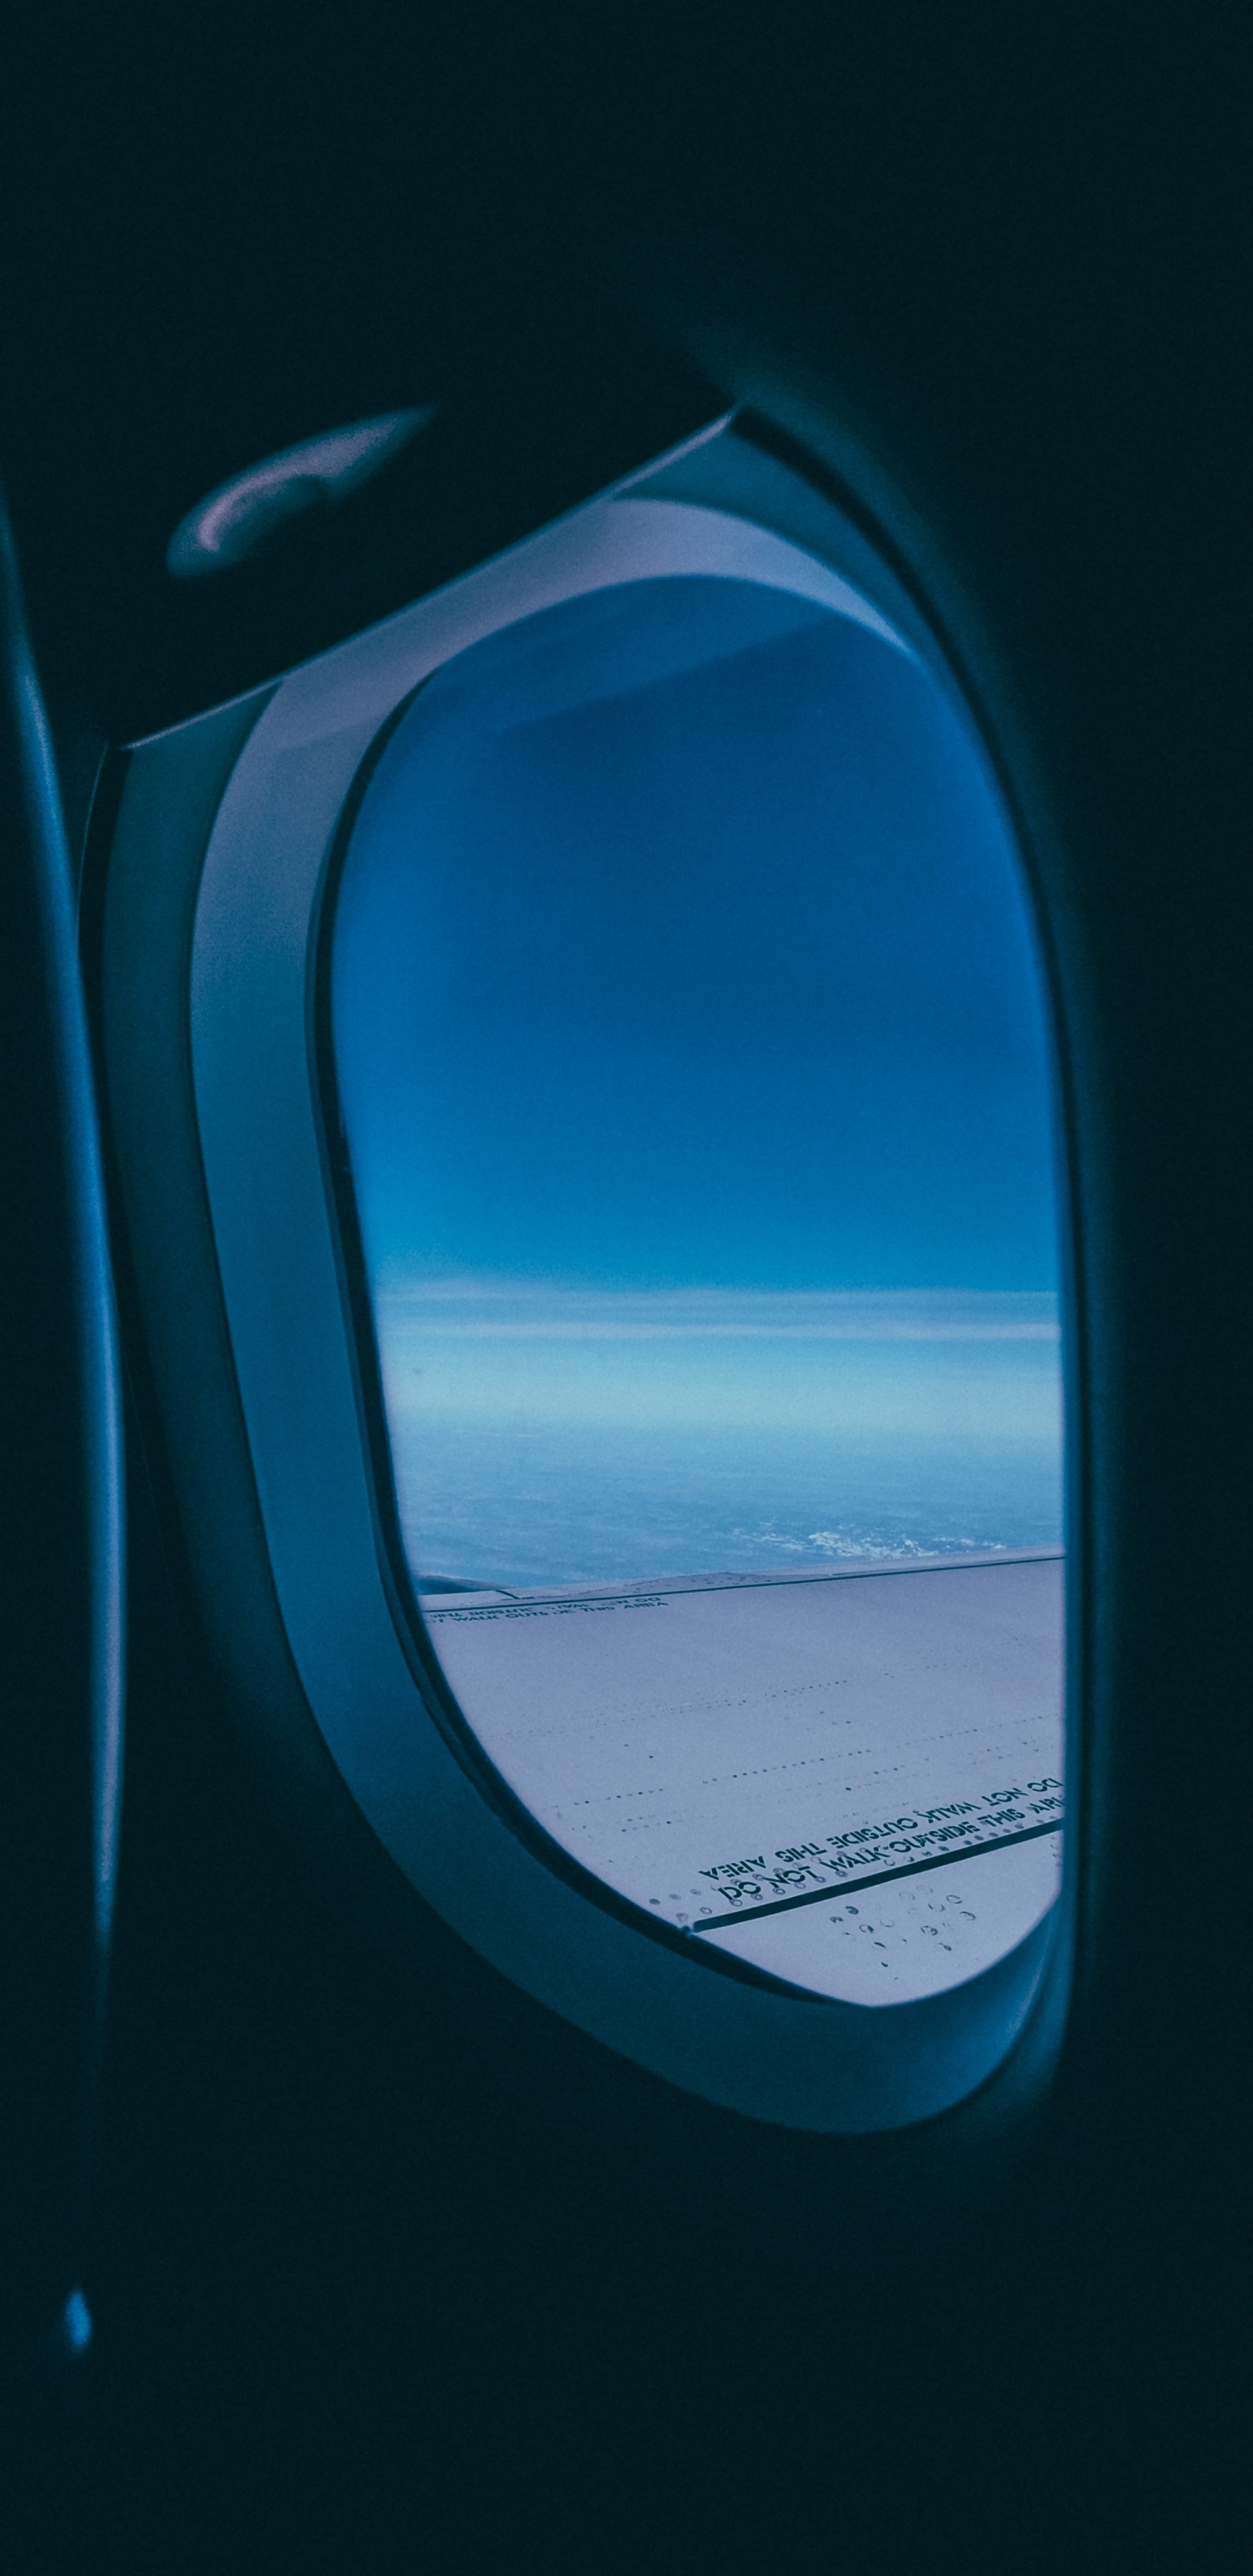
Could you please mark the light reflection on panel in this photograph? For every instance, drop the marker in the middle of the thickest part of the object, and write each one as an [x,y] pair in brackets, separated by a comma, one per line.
[690,1054]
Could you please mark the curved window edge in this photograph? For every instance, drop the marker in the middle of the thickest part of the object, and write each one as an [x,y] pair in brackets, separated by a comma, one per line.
[294,1320]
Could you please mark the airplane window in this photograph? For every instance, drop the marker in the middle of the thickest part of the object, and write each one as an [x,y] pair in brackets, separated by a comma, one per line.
[689,1049]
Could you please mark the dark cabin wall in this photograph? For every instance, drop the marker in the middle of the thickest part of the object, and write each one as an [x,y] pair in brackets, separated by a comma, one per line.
[398,2271]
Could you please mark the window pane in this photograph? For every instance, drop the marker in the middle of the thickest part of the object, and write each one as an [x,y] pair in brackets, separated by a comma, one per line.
[690,1051]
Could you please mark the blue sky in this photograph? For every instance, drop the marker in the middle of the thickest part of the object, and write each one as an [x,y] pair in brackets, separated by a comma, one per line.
[680,945]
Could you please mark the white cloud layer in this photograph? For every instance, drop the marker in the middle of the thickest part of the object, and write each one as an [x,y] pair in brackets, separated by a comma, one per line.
[901,1363]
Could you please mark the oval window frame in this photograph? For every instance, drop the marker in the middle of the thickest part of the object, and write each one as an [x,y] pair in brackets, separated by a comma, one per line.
[293,1305]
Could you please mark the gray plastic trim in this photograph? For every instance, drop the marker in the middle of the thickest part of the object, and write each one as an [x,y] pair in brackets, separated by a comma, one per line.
[809,2064]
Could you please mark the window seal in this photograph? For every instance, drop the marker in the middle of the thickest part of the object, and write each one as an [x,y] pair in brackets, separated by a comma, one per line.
[773,2051]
